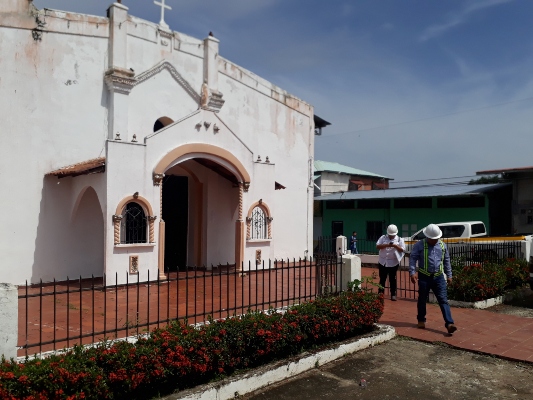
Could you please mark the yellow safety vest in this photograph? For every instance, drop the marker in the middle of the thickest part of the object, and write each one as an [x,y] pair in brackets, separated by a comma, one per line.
[424,270]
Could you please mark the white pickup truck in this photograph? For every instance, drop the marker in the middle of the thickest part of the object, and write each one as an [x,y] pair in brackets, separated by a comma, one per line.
[464,235]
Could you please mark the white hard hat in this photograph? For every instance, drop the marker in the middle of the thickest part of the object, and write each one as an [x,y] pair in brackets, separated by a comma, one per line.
[432,231]
[392,230]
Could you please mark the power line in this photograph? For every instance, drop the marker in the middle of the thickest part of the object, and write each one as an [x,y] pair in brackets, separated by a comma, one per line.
[429,118]
[435,179]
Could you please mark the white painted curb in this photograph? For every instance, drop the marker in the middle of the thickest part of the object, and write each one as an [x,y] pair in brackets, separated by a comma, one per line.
[232,387]
[467,304]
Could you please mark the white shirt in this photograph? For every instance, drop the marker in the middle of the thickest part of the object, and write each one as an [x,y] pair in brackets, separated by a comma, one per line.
[389,256]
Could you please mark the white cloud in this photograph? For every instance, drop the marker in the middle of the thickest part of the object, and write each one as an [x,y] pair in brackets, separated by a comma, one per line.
[459,18]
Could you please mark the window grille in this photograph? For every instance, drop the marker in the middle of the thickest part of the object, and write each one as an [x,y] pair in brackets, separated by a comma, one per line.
[259,224]
[134,226]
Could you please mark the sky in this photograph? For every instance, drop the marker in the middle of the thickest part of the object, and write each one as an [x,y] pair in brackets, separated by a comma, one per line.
[414,89]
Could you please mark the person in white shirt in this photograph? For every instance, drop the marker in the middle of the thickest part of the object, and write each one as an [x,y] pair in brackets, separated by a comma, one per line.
[391,251]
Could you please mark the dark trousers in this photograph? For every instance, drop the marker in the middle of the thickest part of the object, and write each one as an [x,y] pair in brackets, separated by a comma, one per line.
[437,284]
[390,272]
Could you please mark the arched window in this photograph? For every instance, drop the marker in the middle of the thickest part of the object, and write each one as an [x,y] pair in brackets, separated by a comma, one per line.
[259,224]
[134,226]
[161,123]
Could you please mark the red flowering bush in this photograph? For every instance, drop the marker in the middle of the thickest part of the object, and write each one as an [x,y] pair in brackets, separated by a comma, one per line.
[181,355]
[481,281]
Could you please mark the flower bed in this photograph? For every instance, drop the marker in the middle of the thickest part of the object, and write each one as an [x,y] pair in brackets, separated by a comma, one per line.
[181,355]
[474,282]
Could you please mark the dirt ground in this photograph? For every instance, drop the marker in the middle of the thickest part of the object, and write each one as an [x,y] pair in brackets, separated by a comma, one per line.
[407,369]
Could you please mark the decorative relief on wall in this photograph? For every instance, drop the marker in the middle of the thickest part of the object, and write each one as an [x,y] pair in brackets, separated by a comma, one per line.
[210,100]
[215,101]
[246,186]
[269,223]
[158,178]
[258,257]
[122,81]
[165,34]
[151,220]
[240,201]
[248,228]
[174,73]
[134,264]
[116,228]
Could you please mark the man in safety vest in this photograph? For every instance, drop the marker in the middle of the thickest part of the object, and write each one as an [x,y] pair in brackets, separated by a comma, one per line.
[433,269]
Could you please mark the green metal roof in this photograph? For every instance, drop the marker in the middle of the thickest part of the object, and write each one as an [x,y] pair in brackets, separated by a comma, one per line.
[326,166]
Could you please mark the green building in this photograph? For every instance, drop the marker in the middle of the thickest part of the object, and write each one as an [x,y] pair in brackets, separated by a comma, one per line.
[369,212]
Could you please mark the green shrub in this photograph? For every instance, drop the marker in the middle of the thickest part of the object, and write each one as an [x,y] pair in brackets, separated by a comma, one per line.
[481,281]
[180,355]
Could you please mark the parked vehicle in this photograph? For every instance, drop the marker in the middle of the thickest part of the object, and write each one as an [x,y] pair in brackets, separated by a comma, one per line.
[473,235]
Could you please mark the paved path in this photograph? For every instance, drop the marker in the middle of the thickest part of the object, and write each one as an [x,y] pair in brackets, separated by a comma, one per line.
[502,335]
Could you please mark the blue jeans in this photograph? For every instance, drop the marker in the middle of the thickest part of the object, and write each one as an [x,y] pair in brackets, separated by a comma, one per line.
[437,284]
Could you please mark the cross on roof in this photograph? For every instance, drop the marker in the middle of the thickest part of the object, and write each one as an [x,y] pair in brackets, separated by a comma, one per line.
[163,6]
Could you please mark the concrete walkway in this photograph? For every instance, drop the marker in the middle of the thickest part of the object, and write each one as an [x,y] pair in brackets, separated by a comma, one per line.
[483,331]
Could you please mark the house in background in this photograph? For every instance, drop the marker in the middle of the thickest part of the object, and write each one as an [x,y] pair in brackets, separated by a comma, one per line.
[369,212]
[331,177]
[522,196]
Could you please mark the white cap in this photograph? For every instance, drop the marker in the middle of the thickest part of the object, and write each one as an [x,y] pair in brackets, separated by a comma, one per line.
[392,230]
[432,231]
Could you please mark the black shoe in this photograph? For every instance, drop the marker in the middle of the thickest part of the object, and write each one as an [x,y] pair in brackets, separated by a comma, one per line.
[451,328]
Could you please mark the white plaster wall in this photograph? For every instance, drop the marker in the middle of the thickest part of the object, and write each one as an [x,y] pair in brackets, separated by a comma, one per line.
[160,96]
[221,214]
[66,213]
[86,238]
[52,113]
[271,128]
[127,172]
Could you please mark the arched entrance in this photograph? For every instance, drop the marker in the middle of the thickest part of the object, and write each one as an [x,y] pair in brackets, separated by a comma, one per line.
[201,210]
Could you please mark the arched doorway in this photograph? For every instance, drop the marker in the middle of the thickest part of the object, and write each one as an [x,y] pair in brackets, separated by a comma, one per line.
[176,211]
[86,236]
[202,206]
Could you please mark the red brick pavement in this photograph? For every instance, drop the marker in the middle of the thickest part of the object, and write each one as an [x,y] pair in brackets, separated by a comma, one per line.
[478,330]
[483,331]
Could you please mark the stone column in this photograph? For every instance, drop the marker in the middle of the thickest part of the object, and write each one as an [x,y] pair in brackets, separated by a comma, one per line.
[158,181]
[9,318]
[117,219]
[118,77]
[239,232]
[211,97]
[151,220]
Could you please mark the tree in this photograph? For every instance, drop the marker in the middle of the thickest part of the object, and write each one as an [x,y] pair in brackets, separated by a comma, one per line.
[486,179]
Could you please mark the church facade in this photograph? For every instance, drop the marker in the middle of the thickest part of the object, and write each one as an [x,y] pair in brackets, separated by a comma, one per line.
[132,150]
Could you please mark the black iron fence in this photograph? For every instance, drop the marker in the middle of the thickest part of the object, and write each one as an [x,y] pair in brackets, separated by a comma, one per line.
[480,250]
[57,315]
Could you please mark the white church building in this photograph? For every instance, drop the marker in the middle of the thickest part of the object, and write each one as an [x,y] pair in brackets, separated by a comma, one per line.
[128,148]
